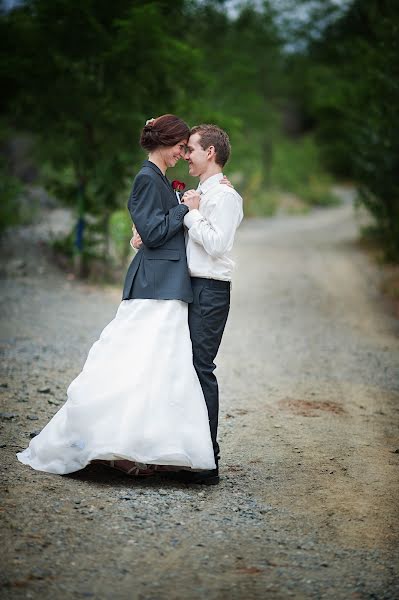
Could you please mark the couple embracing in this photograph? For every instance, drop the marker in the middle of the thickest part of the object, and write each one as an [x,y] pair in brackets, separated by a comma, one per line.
[147,398]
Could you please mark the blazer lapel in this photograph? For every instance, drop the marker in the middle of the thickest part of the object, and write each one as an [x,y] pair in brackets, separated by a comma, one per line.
[148,163]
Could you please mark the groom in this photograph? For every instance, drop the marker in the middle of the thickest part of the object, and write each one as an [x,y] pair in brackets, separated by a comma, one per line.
[214,215]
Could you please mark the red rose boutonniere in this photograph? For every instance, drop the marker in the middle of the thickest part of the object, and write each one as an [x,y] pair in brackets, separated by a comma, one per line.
[178,185]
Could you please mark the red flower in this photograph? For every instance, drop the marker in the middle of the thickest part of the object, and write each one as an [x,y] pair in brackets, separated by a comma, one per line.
[178,185]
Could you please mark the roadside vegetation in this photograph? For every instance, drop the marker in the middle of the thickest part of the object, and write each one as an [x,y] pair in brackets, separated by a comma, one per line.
[307,102]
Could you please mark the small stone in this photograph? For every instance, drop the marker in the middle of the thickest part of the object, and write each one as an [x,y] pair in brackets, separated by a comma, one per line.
[44,390]
[8,416]
[32,417]
[19,263]
[3,385]
[34,433]
[52,401]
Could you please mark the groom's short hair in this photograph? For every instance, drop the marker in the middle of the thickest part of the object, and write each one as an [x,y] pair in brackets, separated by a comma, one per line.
[212,135]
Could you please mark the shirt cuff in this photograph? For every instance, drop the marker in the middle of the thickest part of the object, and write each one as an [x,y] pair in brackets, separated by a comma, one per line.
[192,217]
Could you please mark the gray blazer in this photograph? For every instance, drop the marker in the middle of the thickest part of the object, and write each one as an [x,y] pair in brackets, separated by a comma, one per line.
[159,269]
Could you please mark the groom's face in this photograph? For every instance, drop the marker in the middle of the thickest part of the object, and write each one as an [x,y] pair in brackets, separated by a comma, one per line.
[196,156]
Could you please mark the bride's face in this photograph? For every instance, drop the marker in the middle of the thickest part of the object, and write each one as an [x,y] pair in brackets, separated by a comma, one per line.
[171,154]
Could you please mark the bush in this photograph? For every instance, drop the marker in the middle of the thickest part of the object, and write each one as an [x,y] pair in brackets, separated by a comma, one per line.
[257,200]
[296,168]
[120,232]
[297,181]
[385,229]
[11,210]
[105,250]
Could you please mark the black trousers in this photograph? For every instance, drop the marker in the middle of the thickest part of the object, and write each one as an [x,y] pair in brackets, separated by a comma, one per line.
[207,316]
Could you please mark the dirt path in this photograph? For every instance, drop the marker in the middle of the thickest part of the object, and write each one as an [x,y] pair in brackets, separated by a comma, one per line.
[309,373]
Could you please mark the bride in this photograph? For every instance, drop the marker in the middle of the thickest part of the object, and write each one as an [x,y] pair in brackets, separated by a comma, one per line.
[138,404]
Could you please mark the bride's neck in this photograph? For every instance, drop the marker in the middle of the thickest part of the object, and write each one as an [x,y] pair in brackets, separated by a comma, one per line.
[157,159]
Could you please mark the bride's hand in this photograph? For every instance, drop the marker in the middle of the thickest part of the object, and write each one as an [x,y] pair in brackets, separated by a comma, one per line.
[226,181]
[136,241]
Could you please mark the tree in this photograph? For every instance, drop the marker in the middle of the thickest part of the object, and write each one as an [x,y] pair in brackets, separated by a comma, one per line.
[84,77]
[353,93]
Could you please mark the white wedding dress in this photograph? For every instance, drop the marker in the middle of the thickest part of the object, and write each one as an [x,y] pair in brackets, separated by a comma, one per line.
[137,398]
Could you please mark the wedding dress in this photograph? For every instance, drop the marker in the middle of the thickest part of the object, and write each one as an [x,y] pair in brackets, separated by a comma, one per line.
[137,398]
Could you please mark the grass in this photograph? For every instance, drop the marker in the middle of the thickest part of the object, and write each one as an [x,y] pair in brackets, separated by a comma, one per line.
[296,181]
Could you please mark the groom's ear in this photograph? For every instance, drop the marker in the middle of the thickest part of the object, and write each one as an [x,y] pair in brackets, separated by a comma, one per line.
[211,152]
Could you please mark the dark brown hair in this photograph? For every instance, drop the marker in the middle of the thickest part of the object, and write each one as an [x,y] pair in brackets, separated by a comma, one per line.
[166,130]
[212,135]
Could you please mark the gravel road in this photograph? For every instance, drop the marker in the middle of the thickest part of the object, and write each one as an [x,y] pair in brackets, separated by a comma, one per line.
[309,376]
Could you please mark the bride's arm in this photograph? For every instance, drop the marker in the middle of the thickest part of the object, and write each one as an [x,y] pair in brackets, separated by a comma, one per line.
[154,226]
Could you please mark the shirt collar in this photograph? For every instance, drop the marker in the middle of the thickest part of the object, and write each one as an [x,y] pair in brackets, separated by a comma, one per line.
[209,183]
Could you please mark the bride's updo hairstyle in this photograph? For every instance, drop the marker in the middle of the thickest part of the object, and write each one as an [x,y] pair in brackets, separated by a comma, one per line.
[166,130]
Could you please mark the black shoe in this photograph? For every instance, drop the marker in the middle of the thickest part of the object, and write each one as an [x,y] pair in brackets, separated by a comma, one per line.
[197,477]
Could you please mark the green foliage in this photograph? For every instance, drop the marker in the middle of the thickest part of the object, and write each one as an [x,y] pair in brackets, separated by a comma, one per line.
[64,247]
[297,181]
[386,215]
[297,168]
[353,93]
[258,200]
[120,231]
[242,80]
[84,77]
[301,99]
[12,212]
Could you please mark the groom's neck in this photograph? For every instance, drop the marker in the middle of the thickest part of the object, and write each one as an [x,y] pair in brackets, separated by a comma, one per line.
[213,169]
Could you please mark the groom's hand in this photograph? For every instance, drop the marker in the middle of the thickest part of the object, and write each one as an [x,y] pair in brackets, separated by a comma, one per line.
[191,199]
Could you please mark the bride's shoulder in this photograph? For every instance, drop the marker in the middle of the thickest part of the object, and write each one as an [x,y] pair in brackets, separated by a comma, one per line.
[145,175]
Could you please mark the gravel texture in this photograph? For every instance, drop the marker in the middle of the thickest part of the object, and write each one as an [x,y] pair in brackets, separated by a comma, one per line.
[309,377]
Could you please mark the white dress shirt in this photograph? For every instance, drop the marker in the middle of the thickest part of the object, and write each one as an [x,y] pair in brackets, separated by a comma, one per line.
[211,230]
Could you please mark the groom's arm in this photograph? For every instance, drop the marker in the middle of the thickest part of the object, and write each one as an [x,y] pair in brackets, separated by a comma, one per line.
[145,207]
